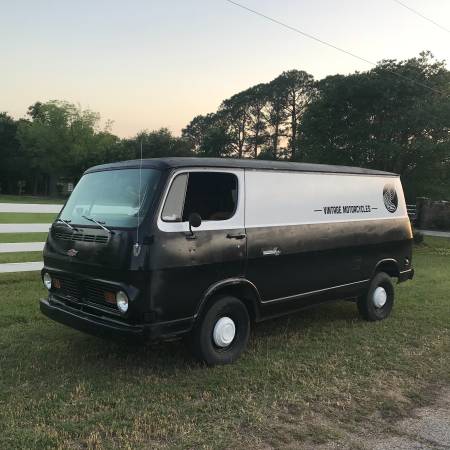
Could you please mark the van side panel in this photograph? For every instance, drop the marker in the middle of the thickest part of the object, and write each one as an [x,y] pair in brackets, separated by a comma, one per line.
[312,235]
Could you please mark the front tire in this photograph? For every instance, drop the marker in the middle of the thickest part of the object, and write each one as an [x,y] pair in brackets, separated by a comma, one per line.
[377,303]
[222,332]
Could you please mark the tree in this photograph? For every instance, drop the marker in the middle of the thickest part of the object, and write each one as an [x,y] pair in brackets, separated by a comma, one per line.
[257,131]
[155,144]
[299,88]
[59,140]
[236,114]
[384,120]
[276,114]
[11,158]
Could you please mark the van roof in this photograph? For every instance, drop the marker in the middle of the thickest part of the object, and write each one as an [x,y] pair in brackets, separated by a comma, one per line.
[252,164]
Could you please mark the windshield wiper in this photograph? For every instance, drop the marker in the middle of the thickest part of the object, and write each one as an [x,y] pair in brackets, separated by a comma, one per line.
[100,224]
[66,223]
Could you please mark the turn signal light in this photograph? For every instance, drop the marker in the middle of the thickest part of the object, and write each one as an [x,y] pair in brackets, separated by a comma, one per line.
[110,297]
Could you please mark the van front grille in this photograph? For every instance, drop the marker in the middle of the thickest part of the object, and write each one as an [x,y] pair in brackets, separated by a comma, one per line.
[68,288]
[77,236]
[95,292]
[80,291]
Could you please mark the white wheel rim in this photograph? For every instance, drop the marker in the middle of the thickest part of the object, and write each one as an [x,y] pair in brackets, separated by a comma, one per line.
[379,297]
[224,332]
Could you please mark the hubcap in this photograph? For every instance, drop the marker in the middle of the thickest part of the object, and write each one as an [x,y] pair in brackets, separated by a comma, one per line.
[224,332]
[379,297]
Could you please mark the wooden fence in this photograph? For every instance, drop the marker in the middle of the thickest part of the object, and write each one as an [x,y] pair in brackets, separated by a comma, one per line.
[17,247]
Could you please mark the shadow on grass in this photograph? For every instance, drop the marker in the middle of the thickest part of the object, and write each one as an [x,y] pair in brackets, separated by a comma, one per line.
[81,350]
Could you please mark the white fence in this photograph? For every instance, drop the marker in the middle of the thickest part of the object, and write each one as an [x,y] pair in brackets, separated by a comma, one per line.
[24,228]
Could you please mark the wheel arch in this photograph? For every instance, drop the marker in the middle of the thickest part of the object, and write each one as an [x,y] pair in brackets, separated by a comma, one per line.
[389,266]
[240,288]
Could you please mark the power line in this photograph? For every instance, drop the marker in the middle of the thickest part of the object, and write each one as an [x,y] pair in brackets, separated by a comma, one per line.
[314,38]
[421,15]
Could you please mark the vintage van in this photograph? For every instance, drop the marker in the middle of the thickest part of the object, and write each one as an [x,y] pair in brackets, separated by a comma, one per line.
[161,248]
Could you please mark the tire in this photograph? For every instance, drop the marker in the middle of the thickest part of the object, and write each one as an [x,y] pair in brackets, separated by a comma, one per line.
[210,339]
[370,305]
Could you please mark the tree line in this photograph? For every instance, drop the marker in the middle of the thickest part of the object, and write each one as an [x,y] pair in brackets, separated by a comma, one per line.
[394,117]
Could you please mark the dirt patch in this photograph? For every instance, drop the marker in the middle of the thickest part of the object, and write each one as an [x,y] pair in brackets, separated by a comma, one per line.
[428,428]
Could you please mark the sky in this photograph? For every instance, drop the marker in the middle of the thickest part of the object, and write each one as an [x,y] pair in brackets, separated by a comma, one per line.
[152,64]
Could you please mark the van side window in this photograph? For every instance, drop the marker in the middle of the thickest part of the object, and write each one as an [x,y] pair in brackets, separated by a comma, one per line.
[213,195]
[173,208]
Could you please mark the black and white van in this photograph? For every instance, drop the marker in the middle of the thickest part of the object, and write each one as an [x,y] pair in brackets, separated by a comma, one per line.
[161,248]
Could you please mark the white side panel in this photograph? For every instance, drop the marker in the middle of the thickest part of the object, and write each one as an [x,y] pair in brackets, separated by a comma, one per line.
[291,198]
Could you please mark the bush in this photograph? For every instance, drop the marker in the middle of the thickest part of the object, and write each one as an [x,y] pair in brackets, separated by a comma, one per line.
[418,237]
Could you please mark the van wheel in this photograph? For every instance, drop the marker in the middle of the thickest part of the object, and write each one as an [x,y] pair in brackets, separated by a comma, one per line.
[222,332]
[377,303]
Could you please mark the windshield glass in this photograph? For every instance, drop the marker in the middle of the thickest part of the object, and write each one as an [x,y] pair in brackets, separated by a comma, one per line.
[111,197]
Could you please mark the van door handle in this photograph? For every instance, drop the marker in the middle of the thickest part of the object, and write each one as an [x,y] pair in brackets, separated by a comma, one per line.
[272,252]
[236,236]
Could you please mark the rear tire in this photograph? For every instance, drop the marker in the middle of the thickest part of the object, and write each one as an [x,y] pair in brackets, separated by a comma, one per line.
[222,332]
[377,303]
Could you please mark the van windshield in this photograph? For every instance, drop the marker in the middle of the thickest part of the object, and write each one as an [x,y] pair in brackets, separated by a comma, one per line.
[111,197]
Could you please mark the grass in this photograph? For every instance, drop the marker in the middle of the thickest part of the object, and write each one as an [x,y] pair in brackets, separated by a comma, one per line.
[31,199]
[304,379]
[22,237]
[20,257]
[27,217]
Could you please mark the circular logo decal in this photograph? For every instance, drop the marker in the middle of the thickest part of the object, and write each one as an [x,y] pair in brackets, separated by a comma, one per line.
[390,198]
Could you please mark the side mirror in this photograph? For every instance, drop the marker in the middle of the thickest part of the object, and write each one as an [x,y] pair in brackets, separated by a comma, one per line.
[194,221]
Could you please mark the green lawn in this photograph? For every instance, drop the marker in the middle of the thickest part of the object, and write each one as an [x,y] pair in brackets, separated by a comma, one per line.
[304,379]
[27,217]
[20,257]
[22,237]
[31,199]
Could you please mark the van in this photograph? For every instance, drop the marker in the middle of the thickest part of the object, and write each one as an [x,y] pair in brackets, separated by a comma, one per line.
[162,248]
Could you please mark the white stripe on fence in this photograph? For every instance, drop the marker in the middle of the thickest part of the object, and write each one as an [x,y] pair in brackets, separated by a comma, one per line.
[21,267]
[29,208]
[22,247]
[24,227]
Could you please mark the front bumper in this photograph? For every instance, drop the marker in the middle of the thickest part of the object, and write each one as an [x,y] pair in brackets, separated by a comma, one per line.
[90,323]
[406,275]
[110,328]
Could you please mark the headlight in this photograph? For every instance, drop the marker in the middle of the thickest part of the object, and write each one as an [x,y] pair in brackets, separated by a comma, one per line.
[47,280]
[122,301]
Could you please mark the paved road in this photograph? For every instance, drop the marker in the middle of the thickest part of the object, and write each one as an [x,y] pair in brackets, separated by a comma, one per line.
[29,208]
[428,428]
[21,267]
[435,233]
[22,247]
[24,227]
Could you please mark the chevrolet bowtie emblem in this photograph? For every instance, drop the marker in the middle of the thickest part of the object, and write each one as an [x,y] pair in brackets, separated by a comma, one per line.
[72,252]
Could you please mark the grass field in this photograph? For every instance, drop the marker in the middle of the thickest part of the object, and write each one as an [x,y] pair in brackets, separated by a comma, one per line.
[27,217]
[20,257]
[22,237]
[31,199]
[307,378]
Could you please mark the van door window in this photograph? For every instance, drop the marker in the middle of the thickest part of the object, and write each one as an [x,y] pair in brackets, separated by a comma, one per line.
[213,195]
[173,208]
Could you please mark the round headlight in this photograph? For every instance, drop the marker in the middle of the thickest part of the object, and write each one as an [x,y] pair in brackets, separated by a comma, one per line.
[47,280]
[122,301]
